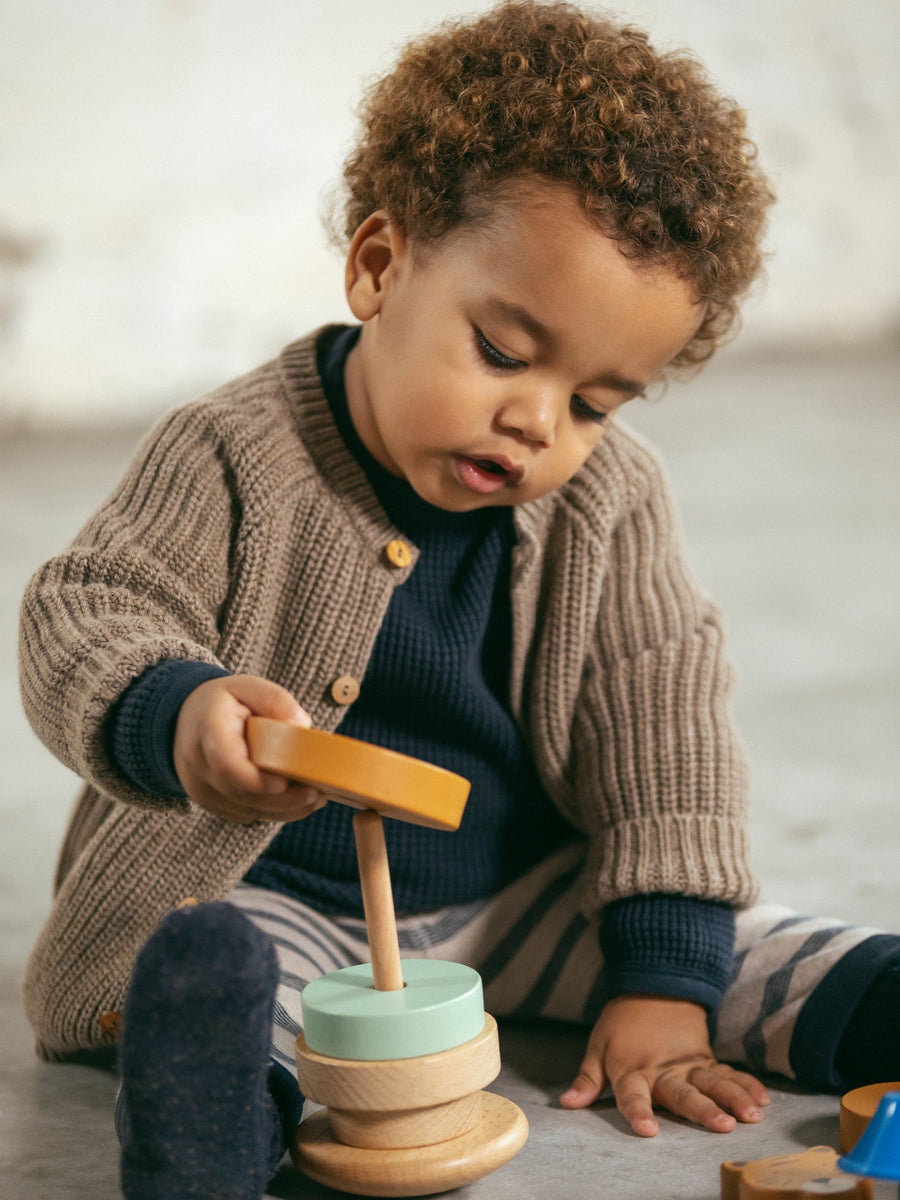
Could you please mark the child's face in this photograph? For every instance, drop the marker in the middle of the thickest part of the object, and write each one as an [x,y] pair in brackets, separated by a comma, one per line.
[491,362]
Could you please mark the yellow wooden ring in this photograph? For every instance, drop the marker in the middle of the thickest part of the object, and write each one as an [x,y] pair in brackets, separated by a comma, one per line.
[858,1109]
[360,774]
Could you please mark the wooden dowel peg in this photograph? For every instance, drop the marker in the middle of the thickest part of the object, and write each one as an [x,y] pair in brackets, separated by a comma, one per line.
[378,901]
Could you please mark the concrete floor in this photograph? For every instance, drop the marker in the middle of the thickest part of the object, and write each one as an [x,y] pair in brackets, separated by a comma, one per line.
[788,476]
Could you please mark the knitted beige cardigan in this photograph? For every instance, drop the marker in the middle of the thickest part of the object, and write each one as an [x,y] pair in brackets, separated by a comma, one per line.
[245,534]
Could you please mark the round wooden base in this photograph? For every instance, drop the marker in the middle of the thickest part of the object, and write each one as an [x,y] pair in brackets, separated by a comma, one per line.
[417,1171]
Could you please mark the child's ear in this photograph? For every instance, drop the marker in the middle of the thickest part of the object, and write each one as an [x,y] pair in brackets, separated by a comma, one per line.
[375,249]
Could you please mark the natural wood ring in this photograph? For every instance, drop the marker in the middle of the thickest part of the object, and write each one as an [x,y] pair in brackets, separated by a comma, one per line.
[500,1134]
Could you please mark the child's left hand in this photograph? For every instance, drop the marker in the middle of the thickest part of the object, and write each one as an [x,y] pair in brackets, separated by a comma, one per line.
[655,1050]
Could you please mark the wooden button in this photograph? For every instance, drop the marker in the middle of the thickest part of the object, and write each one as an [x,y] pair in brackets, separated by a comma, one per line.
[111,1025]
[398,553]
[345,690]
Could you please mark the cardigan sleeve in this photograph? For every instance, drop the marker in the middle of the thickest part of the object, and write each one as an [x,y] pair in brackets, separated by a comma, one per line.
[661,778]
[142,582]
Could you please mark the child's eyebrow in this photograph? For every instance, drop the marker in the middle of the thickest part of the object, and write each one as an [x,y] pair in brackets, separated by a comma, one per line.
[510,311]
[507,310]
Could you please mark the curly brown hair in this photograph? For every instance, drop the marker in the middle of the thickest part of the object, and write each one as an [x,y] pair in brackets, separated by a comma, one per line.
[656,156]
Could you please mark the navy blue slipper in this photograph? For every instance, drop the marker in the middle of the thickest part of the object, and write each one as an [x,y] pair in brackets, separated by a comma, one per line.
[195,1117]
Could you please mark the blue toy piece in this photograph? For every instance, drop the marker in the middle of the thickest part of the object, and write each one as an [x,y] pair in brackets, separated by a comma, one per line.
[877,1153]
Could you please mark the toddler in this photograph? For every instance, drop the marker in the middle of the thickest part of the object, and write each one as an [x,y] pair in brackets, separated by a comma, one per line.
[430,529]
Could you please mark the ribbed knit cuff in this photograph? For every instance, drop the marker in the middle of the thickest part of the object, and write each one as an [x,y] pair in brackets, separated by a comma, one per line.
[669,946]
[140,733]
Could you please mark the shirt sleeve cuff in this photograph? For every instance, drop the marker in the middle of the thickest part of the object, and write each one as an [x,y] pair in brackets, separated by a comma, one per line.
[141,726]
[668,945]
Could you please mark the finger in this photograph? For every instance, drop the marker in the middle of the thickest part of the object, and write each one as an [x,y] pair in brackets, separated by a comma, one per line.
[229,770]
[729,1090]
[225,807]
[262,698]
[244,808]
[756,1089]
[297,803]
[681,1097]
[634,1102]
[586,1087]
[223,746]
[267,699]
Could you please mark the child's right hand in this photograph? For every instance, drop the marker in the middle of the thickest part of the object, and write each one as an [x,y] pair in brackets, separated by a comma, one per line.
[212,759]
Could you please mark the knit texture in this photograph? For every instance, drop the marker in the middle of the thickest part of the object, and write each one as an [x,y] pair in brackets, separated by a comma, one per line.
[140,731]
[669,946]
[246,535]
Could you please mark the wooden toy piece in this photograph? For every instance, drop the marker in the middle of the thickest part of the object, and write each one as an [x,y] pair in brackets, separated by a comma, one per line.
[419,1171]
[378,901]
[440,1006]
[409,1127]
[858,1108]
[360,774]
[792,1177]
[403,1102]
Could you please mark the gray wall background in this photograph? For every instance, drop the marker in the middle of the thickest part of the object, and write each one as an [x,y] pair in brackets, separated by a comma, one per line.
[163,164]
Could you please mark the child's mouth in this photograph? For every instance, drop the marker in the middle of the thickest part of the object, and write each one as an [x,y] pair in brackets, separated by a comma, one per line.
[486,475]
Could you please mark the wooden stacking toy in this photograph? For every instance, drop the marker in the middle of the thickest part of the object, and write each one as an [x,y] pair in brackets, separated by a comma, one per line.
[398,1051]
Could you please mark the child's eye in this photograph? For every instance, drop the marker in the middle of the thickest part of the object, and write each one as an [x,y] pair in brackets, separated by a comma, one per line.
[495,357]
[581,408]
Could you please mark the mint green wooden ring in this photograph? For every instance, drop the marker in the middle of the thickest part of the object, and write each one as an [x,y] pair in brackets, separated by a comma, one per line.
[441,1007]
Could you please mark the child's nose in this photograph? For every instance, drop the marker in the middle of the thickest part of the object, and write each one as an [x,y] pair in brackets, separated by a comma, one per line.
[531,416]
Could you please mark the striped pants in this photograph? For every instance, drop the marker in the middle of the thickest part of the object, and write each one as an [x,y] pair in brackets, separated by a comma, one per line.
[794,983]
